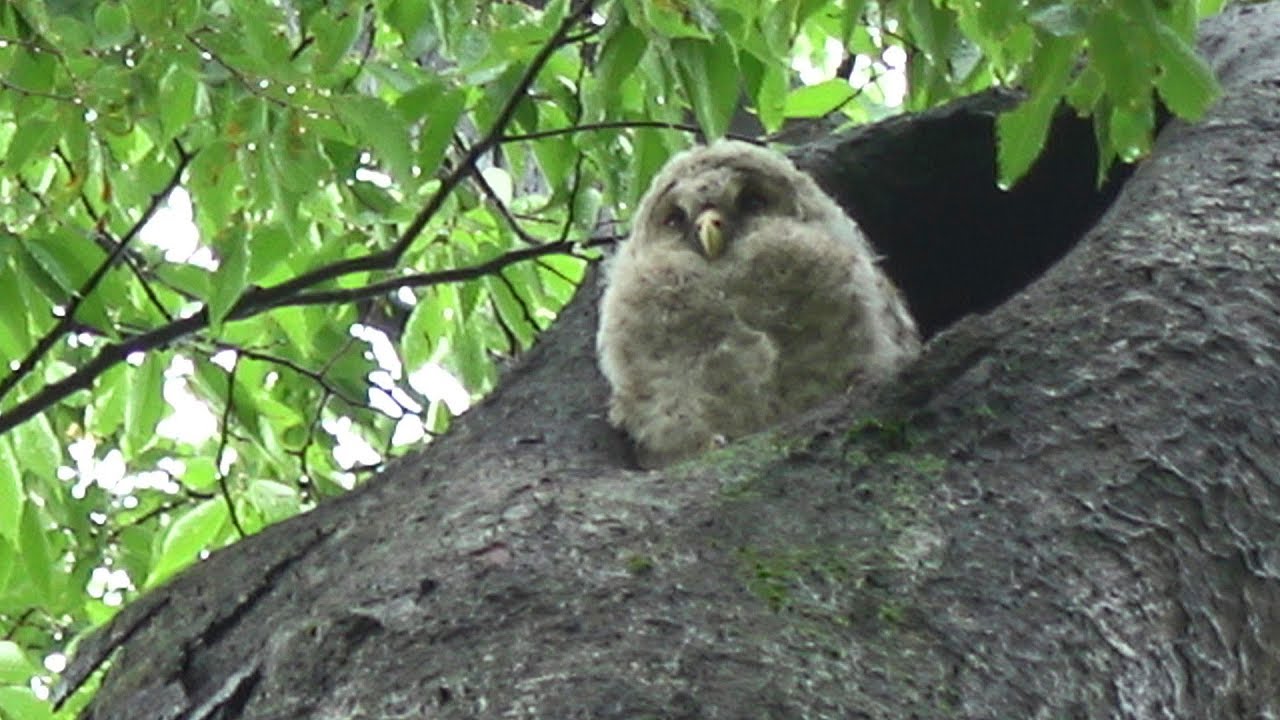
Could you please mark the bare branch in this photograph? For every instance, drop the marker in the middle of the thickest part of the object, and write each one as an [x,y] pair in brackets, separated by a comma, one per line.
[619,125]
[315,376]
[322,297]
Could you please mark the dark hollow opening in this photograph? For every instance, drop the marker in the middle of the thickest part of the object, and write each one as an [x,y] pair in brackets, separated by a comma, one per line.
[923,188]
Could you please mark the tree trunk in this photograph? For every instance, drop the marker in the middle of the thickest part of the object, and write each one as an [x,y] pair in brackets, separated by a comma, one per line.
[1069,508]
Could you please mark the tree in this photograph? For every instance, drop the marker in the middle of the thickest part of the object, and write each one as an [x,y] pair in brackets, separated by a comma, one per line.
[830,545]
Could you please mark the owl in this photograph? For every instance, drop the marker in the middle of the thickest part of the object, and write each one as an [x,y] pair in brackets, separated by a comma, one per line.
[743,295]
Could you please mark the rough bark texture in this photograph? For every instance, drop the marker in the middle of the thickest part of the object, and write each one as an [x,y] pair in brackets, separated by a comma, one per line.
[1069,509]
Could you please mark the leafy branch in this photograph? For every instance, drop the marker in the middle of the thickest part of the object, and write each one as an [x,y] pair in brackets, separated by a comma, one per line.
[47,341]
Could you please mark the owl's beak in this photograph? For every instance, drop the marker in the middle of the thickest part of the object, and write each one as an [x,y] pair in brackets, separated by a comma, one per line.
[710,228]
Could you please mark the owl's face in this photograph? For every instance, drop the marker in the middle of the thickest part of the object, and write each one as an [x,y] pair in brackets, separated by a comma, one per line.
[705,198]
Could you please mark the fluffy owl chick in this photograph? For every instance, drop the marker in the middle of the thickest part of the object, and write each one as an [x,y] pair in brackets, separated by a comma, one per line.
[743,295]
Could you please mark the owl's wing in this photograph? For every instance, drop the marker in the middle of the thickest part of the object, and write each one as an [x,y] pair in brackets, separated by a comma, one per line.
[819,297]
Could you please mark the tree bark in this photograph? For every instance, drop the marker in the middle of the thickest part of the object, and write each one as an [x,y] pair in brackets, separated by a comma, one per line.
[1068,508]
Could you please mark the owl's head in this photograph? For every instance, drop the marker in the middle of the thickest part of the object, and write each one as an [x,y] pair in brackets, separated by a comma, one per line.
[705,197]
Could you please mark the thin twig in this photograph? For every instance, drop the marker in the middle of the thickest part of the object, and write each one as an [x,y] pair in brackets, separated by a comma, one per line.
[316,377]
[513,343]
[619,125]
[37,93]
[554,271]
[524,306]
[162,508]
[222,447]
[453,275]
[574,189]
[525,236]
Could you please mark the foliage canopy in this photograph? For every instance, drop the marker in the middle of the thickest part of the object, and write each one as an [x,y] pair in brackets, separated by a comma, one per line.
[233,233]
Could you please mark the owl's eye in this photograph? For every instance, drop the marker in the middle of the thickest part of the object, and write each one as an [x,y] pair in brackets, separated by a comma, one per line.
[750,201]
[676,218]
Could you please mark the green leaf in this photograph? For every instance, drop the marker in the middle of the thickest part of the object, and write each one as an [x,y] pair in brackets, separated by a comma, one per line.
[145,404]
[1125,72]
[373,121]
[771,98]
[1020,135]
[587,204]
[37,446]
[200,473]
[214,178]
[671,18]
[427,324]
[276,501]
[1130,131]
[34,72]
[1061,19]
[137,543]
[151,17]
[268,248]
[8,563]
[334,37]
[15,337]
[851,19]
[709,74]
[111,20]
[929,27]
[561,275]
[1186,82]
[15,667]
[230,280]
[818,100]
[190,533]
[409,18]
[646,159]
[72,34]
[513,311]
[619,57]
[192,279]
[111,392]
[21,702]
[1085,91]
[997,17]
[12,499]
[35,137]
[263,43]
[1210,7]
[37,557]
[177,100]
[439,107]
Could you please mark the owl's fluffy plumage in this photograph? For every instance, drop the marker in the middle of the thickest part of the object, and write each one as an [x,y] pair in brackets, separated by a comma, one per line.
[743,295]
